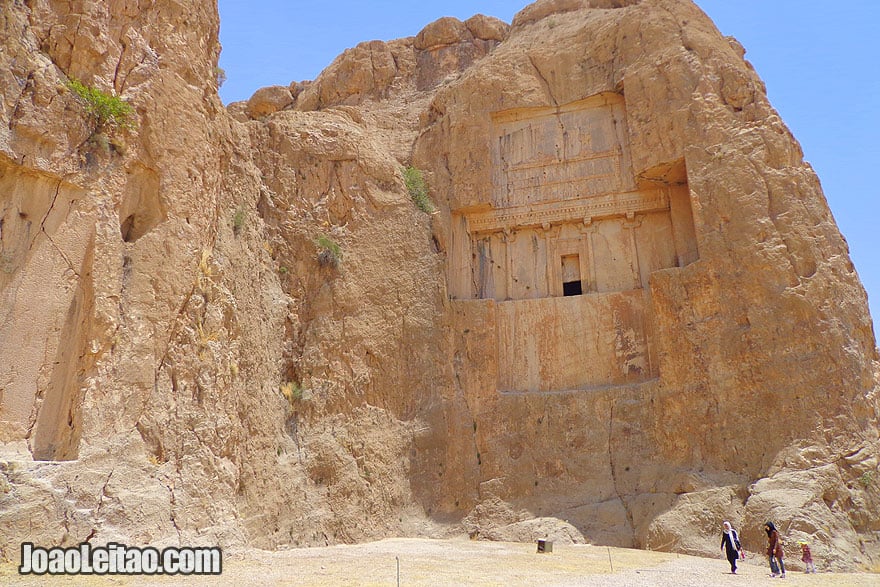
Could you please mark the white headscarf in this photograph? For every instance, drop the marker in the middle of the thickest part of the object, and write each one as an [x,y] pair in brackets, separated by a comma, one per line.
[728,529]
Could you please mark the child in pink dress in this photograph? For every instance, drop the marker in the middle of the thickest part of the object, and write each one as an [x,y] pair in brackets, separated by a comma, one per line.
[807,557]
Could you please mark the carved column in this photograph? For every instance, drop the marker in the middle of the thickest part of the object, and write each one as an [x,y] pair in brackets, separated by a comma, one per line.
[508,238]
[588,265]
[544,231]
[632,223]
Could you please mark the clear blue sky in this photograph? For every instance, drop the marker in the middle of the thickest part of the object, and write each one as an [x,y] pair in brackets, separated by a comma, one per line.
[820,61]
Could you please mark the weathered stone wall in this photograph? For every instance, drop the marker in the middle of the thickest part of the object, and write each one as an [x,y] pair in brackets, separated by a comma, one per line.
[722,410]
[232,326]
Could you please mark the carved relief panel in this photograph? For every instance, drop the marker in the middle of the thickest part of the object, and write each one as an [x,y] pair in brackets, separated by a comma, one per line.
[566,246]
[567,153]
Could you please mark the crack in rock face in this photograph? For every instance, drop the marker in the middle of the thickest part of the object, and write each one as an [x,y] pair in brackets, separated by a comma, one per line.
[614,308]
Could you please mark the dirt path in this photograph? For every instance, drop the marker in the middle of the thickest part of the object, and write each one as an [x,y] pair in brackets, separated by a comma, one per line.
[462,562]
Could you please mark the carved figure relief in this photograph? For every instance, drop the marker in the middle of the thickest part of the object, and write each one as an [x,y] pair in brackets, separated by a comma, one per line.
[559,154]
[567,246]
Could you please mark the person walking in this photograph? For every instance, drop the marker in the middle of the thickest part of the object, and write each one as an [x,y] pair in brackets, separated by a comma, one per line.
[807,557]
[731,546]
[774,551]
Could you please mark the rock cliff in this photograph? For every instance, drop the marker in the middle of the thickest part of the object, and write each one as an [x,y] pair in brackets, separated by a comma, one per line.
[630,316]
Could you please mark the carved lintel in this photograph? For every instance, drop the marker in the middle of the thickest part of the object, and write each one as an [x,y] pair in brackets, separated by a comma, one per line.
[559,212]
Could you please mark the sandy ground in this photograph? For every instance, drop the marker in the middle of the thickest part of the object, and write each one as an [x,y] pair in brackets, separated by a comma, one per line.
[461,562]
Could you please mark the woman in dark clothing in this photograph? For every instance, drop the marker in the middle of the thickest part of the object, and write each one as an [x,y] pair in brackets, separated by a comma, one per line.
[774,550]
[730,545]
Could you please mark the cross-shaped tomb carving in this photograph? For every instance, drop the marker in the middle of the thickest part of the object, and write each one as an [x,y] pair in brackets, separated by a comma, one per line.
[565,244]
[563,188]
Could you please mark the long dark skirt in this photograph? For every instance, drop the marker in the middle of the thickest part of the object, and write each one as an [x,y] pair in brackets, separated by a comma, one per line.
[732,557]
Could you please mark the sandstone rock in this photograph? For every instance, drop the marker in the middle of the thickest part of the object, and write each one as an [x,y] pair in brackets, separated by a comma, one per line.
[364,71]
[445,31]
[631,273]
[556,531]
[487,28]
[388,75]
[544,8]
[296,88]
[266,101]
[238,111]
[520,237]
[692,523]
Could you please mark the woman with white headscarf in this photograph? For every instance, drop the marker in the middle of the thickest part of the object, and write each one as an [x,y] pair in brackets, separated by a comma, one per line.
[730,545]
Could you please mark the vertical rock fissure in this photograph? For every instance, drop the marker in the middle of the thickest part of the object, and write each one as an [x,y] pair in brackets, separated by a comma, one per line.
[461,392]
[544,81]
[613,466]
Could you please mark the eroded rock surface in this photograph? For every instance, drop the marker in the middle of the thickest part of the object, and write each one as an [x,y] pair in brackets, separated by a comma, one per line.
[631,317]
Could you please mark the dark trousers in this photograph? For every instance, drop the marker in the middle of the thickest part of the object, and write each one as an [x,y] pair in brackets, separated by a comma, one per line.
[776,565]
[732,558]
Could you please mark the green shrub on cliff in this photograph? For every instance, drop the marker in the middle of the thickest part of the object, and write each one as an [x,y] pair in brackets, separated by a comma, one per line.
[108,112]
[329,251]
[418,189]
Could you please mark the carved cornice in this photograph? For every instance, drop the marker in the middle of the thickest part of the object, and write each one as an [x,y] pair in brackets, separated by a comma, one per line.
[562,212]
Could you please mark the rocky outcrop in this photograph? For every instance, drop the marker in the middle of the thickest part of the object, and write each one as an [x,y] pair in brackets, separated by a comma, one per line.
[687,382]
[266,101]
[631,317]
